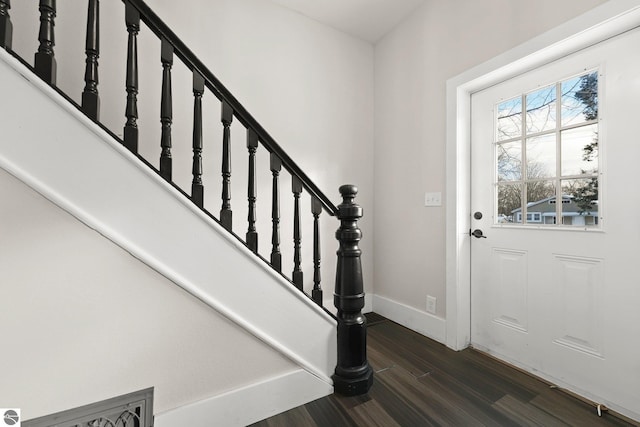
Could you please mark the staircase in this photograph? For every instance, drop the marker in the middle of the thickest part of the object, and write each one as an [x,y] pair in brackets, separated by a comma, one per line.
[103,181]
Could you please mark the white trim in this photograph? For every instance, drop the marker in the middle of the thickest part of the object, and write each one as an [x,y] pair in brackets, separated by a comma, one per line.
[610,19]
[416,320]
[73,168]
[267,398]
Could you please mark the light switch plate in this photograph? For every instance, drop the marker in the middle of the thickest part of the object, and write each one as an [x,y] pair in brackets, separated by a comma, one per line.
[433,199]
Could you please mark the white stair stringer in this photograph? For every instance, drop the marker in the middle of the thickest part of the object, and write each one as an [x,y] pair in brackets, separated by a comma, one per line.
[56,150]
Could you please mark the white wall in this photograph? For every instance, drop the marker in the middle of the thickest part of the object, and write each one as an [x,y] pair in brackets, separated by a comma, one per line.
[87,321]
[310,86]
[412,65]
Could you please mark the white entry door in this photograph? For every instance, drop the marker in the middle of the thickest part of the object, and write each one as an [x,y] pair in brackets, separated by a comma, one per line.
[556,212]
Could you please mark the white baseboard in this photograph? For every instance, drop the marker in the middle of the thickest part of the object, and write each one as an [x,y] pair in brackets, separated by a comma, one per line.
[249,404]
[419,321]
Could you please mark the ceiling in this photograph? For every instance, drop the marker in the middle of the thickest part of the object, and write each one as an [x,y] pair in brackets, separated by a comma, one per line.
[366,19]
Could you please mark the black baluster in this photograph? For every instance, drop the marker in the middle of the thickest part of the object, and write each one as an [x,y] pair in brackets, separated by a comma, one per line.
[166,109]
[276,256]
[197,189]
[226,216]
[45,61]
[252,234]
[316,210]
[353,375]
[90,97]
[296,187]
[132,19]
[6,28]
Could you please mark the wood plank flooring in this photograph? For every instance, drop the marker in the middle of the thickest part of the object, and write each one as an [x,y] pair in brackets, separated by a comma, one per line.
[419,382]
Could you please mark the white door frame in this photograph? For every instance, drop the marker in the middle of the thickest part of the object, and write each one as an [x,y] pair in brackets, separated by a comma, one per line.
[605,21]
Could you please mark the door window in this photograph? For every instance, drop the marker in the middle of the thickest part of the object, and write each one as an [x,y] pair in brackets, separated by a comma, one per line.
[547,158]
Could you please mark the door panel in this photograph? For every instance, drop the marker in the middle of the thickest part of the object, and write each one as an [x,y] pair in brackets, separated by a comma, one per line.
[579,289]
[554,283]
[510,267]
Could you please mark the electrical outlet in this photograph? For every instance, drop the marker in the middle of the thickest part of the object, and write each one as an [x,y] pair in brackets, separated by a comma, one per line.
[433,199]
[431,304]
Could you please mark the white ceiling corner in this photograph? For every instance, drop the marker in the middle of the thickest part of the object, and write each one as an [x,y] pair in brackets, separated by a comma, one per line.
[368,20]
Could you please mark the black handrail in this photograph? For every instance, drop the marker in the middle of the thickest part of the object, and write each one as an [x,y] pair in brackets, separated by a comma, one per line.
[160,29]
[353,374]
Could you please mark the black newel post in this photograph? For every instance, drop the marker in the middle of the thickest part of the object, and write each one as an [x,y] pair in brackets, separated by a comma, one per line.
[353,375]
[45,61]
[6,28]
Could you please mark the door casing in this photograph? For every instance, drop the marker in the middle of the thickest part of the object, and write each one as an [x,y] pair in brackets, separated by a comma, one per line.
[605,21]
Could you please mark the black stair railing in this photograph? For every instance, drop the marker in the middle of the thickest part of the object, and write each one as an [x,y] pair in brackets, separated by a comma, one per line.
[6,28]
[90,95]
[44,60]
[130,135]
[353,374]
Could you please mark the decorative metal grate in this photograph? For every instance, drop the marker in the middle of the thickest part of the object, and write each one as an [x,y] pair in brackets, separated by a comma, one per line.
[129,410]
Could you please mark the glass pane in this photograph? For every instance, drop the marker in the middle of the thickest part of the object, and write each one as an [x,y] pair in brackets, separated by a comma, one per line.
[580,99]
[541,110]
[580,150]
[509,161]
[541,156]
[509,203]
[580,202]
[509,119]
[541,207]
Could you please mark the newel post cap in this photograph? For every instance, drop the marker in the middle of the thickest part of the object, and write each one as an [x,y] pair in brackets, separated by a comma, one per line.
[349,209]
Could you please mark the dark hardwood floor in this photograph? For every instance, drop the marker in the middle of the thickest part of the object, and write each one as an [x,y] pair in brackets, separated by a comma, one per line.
[420,382]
